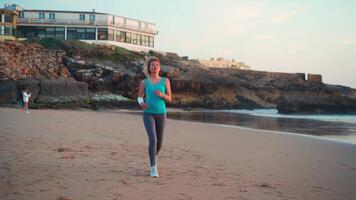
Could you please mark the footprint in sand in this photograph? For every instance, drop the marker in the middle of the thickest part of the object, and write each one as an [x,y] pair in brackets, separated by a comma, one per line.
[63,198]
[68,157]
[265,185]
[62,149]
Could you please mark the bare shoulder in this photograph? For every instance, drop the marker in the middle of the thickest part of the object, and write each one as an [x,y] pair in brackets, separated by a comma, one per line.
[142,82]
[167,81]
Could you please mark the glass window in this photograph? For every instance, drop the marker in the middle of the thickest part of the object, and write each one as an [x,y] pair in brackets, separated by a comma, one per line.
[143,40]
[21,14]
[147,41]
[71,33]
[59,33]
[8,18]
[81,33]
[8,30]
[139,39]
[81,16]
[50,32]
[52,16]
[111,34]
[41,15]
[92,17]
[90,34]
[151,41]
[120,36]
[134,38]
[41,32]
[59,28]
[102,34]
[26,31]
[128,37]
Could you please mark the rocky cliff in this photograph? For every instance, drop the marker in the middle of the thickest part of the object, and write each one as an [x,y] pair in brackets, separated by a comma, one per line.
[98,69]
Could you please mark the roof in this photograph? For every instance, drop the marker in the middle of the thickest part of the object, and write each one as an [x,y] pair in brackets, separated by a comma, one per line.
[65,11]
[5,11]
[80,12]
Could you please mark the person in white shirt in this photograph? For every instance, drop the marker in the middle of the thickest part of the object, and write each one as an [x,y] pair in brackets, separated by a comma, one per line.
[26,98]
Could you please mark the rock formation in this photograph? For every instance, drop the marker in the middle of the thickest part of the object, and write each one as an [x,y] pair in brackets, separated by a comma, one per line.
[74,73]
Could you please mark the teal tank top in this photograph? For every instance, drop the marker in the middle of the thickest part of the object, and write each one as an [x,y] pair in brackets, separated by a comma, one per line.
[156,104]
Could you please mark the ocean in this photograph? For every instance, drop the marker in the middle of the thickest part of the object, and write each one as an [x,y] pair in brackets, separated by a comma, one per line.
[340,128]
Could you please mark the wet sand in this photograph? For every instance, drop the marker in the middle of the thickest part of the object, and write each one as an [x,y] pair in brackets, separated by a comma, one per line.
[62,154]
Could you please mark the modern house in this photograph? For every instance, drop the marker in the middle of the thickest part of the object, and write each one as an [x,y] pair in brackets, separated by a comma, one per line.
[88,26]
[8,20]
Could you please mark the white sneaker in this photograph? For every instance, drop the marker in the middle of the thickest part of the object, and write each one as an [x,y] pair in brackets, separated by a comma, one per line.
[154,172]
[27,112]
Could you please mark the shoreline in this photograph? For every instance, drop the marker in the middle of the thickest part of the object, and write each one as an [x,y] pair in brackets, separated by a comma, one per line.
[347,139]
[49,154]
[330,138]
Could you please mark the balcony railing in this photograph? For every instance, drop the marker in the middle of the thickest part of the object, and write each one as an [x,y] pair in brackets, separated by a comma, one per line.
[83,22]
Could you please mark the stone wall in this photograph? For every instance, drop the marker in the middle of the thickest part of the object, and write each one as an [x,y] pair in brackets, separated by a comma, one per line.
[316,78]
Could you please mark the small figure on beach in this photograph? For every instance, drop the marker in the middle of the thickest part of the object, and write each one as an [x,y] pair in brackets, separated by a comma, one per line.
[157,91]
[26,94]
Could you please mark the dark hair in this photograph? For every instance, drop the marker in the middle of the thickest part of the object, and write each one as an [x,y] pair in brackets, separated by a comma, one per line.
[150,60]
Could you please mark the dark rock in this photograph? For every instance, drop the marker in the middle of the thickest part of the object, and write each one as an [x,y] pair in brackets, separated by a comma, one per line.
[330,99]
[8,92]
[62,91]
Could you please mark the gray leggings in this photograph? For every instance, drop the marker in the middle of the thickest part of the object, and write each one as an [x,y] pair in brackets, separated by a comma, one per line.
[154,124]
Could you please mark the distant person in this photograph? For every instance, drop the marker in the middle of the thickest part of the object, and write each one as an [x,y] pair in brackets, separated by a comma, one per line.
[157,91]
[26,94]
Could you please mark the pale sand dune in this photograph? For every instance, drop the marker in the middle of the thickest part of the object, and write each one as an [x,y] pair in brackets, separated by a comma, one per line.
[60,154]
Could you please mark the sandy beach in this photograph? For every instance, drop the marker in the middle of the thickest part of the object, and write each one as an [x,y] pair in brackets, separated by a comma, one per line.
[75,155]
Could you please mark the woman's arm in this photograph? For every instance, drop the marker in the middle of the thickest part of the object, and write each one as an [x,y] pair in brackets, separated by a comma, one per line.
[141,91]
[168,96]
[141,94]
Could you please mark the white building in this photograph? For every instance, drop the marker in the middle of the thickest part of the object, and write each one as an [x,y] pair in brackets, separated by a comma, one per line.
[88,26]
[223,63]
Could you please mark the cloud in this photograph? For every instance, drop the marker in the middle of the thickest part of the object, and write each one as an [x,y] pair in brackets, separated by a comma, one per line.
[232,20]
[264,37]
[348,42]
[285,15]
[296,45]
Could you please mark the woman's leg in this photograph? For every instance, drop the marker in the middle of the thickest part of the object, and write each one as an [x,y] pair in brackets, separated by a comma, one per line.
[160,124]
[149,123]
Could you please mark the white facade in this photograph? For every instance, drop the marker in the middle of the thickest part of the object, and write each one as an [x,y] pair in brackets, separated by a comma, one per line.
[108,29]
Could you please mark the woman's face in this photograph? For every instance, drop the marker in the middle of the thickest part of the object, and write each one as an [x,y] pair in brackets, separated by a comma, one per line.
[155,67]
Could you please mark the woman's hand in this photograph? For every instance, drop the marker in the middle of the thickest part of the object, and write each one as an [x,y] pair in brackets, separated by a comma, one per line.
[159,93]
[144,106]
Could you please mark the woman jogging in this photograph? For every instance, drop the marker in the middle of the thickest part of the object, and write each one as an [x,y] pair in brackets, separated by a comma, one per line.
[157,91]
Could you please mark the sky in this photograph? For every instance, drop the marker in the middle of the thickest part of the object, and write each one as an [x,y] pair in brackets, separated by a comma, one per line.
[296,36]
